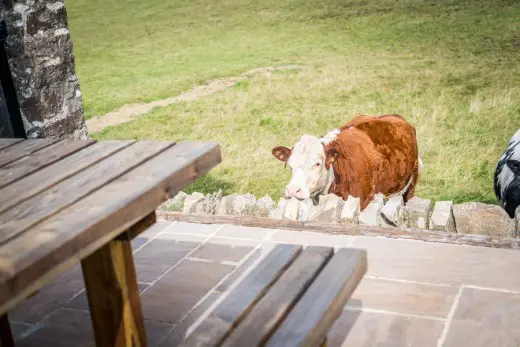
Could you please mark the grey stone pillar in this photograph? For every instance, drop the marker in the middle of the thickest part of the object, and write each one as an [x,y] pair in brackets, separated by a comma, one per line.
[39,50]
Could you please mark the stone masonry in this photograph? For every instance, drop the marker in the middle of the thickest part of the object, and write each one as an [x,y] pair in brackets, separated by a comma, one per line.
[39,50]
[417,213]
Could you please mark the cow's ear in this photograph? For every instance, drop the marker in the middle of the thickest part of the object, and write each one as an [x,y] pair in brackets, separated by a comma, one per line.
[332,155]
[514,165]
[282,153]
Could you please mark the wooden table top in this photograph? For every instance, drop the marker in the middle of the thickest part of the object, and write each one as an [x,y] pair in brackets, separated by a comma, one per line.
[61,200]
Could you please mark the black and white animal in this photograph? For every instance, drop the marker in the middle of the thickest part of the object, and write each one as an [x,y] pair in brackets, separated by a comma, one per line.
[507,176]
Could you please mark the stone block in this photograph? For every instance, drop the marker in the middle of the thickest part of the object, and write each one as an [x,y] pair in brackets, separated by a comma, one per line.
[211,202]
[291,210]
[417,213]
[330,208]
[304,209]
[350,211]
[225,206]
[264,206]
[442,217]
[379,198]
[190,202]
[176,203]
[371,214]
[279,211]
[483,219]
[198,208]
[392,211]
[244,204]
[315,213]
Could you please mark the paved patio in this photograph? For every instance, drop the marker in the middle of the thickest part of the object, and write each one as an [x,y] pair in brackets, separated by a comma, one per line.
[414,294]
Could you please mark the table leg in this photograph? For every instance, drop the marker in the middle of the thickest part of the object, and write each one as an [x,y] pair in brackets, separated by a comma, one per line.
[113,295]
[6,337]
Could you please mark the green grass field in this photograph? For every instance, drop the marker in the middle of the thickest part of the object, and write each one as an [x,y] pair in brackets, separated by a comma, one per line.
[451,67]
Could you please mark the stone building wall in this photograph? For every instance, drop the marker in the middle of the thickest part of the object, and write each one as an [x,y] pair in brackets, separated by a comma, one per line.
[39,49]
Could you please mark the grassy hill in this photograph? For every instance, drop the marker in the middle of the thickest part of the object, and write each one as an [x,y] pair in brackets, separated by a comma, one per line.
[452,68]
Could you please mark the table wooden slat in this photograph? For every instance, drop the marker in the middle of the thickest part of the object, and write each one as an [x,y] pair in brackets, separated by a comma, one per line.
[259,324]
[309,321]
[215,327]
[40,180]
[22,149]
[4,143]
[40,159]
[68,191]
[36,256]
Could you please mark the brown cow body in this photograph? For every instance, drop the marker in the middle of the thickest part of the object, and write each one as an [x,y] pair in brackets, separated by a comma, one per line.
[366,156]
[376,155]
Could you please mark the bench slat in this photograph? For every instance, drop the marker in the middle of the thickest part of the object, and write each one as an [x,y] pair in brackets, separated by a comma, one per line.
[4,143]
[22,149]
[239,301]
[22,216]
[40,180]
[42,158]
[258,325]
[52,246]
[309,321]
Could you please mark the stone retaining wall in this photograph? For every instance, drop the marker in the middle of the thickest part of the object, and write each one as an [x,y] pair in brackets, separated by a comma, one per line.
[417,213]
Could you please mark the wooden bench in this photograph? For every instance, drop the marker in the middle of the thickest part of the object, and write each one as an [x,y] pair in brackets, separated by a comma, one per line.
[68,201]
[291,298]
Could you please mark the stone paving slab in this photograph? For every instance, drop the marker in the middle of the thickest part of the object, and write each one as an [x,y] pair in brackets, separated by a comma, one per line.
[441,263]
[415,293]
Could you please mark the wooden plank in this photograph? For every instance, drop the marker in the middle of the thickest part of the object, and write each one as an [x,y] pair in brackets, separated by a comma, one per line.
[339,229]
[34,257]
[311,318]
[259,324]
[238,303]
[113,295]
[22,216]
[6,336]
[138,228]
[22,149]
[40,159]
[40,180]
[4,143]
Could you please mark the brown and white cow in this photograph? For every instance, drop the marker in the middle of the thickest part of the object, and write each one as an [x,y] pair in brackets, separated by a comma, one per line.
[366,156]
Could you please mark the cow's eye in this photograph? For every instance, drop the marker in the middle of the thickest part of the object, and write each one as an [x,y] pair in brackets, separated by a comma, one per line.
[317,164]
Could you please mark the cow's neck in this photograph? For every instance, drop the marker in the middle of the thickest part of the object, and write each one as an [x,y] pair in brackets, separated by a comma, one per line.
[327,188]
[330,182]
[328,140]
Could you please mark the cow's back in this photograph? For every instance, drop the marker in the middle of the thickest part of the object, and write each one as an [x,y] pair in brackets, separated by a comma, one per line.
[394,153]
[391,134]
[395,139]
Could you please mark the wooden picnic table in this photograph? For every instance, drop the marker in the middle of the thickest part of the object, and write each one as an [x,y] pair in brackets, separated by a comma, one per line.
[68,201]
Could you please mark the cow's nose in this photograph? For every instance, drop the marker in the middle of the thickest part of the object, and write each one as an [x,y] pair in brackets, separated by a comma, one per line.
[293,190]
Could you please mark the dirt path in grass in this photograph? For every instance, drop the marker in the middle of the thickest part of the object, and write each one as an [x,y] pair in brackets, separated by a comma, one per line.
[132,111]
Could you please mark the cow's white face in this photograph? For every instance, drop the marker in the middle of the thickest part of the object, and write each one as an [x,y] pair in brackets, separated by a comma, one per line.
[310,167]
